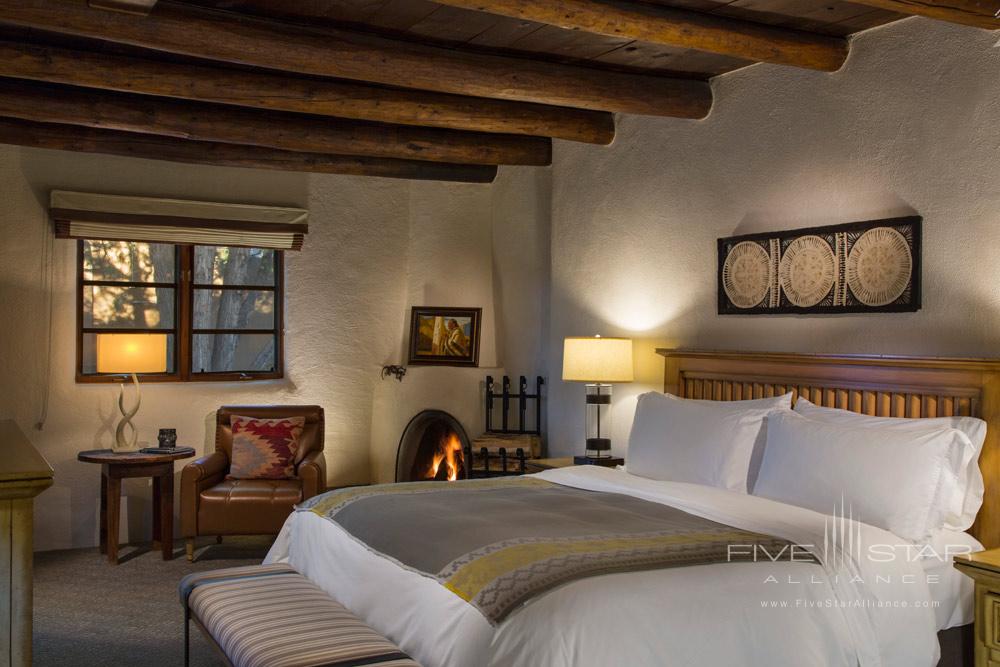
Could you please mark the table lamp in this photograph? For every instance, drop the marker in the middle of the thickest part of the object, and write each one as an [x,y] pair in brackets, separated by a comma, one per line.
[597,361]
[128,354]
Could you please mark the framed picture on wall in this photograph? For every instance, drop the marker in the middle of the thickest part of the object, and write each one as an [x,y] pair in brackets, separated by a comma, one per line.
[858,267]
[444,336]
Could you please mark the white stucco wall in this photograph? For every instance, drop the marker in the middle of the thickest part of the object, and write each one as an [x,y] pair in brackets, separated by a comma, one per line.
[911,124]
[449,260]
[448,264]
[521,209]
[376,246]
[490,248]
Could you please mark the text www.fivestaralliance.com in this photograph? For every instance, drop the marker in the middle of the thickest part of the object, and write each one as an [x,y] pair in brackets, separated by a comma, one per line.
[850,604]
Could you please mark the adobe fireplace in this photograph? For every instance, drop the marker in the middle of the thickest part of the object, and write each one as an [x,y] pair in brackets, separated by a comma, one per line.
[432,447]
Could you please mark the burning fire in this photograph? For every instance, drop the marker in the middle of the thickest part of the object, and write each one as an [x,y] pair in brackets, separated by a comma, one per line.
[450,453]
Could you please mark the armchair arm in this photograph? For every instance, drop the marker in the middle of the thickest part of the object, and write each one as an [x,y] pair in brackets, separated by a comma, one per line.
[196,477]
[312,472]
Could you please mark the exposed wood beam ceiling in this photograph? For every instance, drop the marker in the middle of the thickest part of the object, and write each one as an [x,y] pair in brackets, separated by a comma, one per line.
[675,27]
[140,7]
[353,55]
[266,90]
[976,13]
[416,89]
[128,144]
[234,125]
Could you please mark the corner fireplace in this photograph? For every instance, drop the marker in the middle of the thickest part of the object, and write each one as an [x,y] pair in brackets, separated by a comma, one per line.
[432,447]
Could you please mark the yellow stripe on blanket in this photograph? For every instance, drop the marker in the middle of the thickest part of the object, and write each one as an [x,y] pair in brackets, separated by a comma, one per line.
[470,579]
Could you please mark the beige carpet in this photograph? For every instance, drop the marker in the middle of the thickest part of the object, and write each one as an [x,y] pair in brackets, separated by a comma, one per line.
[89,613]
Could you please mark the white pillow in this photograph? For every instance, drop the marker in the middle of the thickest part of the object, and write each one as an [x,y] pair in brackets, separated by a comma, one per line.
[901,481]
[971,486]
[783,402]
[683,441]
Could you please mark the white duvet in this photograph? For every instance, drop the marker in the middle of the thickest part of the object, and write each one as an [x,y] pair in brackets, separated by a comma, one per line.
[861,612]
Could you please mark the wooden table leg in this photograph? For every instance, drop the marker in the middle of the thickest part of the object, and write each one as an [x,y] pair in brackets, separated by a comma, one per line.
[113,503]
[157,513]
[104,509]
[166,511]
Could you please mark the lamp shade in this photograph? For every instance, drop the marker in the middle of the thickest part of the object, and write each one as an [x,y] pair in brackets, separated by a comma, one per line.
[131,353]
[597,359]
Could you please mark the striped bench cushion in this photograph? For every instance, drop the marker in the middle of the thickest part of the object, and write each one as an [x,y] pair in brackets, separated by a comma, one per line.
[271,616]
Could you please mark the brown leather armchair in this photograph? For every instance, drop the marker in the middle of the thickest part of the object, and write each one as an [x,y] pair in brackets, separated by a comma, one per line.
[214,505]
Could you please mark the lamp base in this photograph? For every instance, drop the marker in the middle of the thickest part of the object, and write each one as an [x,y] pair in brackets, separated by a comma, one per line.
[606,461]
[124,447]
[127,443]
[598,445]
[123,444]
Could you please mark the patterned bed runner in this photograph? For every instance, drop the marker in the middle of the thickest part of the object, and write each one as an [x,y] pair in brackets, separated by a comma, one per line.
[496,543]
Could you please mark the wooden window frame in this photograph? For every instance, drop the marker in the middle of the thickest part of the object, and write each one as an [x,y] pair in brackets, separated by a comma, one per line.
[183,329]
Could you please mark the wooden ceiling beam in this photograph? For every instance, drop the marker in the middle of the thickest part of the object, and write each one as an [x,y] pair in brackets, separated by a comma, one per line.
[152,147]
[233,38]
[670,26]
[976,13]
[277,92]
[138,7]
[214,122]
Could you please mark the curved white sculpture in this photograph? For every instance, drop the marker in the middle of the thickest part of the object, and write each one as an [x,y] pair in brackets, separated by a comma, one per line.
[129,444]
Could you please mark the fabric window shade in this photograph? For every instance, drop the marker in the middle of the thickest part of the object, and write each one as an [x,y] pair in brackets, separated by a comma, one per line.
[80,215]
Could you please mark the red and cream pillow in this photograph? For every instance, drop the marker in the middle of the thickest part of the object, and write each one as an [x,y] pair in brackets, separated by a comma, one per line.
[264,448]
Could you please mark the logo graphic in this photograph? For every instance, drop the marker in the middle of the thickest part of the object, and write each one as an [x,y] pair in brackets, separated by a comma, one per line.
[841,538]
[843,546]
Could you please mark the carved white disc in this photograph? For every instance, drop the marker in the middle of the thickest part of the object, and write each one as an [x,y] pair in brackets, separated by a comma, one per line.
[807,270]
[879,266]
[745,274]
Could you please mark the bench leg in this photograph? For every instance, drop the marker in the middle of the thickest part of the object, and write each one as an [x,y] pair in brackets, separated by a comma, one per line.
[189,548]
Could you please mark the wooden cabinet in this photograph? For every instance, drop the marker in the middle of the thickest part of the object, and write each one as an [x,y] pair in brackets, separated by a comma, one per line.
[23,475]
[991,620]
[984,568]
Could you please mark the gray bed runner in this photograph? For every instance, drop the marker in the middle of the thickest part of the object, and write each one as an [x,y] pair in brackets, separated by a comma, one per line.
[497,543]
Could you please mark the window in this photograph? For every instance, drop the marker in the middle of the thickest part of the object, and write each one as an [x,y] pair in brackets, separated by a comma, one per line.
[220,307]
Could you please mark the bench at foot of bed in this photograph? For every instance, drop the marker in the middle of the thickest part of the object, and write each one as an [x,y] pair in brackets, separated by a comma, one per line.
[267,615]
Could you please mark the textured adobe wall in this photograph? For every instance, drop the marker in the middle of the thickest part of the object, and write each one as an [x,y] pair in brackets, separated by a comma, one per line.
[910,124]
[521,259]
[447,264]
[506,269]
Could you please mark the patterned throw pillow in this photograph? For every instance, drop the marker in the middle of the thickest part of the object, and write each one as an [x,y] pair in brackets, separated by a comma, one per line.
[264,448]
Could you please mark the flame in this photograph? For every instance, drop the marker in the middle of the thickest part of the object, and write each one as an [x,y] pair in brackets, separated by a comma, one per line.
[449,453]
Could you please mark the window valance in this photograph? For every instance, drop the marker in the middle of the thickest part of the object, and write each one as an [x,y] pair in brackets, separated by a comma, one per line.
[81,215]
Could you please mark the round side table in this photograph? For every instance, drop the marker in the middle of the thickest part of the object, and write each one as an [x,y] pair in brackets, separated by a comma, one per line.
[116,466]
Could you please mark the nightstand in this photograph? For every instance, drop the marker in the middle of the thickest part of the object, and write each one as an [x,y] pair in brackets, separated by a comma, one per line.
[603,461]
[984,568]
[538,465]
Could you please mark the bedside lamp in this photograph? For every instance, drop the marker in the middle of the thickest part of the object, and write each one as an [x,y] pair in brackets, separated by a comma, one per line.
[597,361]
[128,354]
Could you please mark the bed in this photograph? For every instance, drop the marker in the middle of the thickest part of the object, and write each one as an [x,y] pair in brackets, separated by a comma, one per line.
[701,614]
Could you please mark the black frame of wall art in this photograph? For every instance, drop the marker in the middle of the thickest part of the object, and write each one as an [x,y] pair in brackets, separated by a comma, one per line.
[908,301]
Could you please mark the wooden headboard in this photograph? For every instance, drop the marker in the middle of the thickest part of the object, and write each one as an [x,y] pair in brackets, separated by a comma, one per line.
[872,385]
